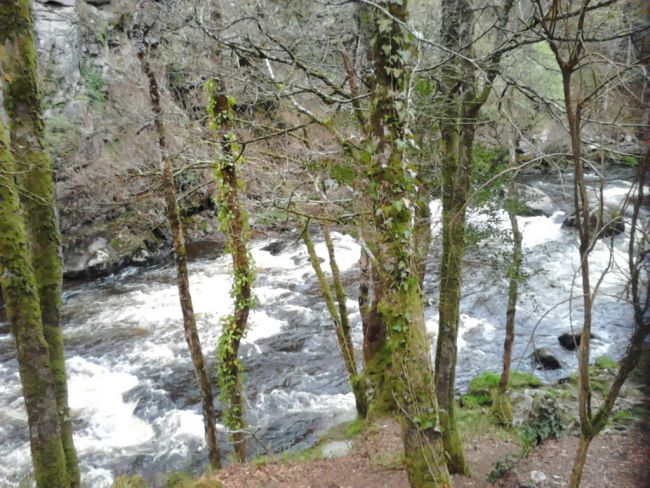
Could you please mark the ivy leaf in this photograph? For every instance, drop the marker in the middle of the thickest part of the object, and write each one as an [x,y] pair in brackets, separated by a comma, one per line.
[383,24]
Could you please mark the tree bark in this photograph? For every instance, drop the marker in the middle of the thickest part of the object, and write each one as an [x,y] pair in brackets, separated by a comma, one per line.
[339,316]
[182,278]
[406,356]
[235,225]
[501,404]
[23,103]
[23,311]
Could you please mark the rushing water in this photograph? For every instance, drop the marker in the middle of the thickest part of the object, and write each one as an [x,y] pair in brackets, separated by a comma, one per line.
[132,390]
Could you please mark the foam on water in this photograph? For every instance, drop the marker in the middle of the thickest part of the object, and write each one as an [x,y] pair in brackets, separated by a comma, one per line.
[131,381]
[96,394]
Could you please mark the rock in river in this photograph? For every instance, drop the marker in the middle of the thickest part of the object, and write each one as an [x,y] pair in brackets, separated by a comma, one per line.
[545,359]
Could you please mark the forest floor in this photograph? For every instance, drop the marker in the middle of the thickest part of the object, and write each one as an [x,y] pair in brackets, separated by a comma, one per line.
[618,458]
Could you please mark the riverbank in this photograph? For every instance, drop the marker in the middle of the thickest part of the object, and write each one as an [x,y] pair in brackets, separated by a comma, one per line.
[498,457]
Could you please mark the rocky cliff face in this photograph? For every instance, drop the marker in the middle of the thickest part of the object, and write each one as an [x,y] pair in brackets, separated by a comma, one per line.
[104,152]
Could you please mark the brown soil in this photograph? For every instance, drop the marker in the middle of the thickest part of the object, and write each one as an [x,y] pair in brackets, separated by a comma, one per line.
[616,460]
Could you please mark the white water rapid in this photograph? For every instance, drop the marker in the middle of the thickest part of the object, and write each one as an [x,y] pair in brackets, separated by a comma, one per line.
[132,391]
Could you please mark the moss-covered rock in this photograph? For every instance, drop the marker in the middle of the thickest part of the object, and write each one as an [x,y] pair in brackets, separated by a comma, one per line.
[129,482]
[605,362]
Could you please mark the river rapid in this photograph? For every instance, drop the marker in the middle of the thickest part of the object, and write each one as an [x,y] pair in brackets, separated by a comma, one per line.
[132,391]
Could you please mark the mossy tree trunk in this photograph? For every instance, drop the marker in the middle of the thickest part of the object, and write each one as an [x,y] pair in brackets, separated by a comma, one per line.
[457,139]
[501,404]
[138,33]
[21,298]
[406,354]
[339,315]
[456,175]
[23,104]
[234,223]
[463,100]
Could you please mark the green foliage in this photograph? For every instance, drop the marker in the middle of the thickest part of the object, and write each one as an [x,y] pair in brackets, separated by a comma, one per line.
[488,162]
[423,87]
[234,223]
[546,422]
[502,468]
[631,161]
[94,82]
[605,362]
[129,482]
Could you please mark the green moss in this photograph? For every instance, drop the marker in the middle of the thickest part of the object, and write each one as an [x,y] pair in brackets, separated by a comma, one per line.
[475,400]
[129,482]
[355,427]
[605,362]
[484,381]
[178,479]
[520,379]
[501,410]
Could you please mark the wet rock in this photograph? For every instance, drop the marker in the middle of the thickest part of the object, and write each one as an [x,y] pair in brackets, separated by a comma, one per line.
[570,340]
[545,359]
[275,247]
[534,202]
[611,224]
[94,256]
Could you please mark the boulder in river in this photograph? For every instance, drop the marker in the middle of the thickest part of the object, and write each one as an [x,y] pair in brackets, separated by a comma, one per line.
[545,359]
[571,340]
[609,224]
[534,202]
[274,248]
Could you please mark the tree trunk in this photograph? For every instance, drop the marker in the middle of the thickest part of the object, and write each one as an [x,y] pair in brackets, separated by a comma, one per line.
[580,460]
[340,318]
[406,354]
[23,311]
[182,278]
[501,404]
[456,174]
[235,225]
[23,104]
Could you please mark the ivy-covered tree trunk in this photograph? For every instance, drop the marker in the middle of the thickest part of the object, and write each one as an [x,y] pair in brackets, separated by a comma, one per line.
[406,354]
[20,294]
[138,33]
[23,104]
[234,223]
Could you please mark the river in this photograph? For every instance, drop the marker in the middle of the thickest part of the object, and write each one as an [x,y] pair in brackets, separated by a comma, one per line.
[132,390]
